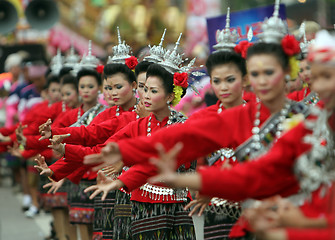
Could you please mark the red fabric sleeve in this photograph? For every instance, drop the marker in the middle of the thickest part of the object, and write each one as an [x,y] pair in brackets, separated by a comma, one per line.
[62,169]
[74,155]
[310,234]
[34,143]
[8,130]
[264,177]
[199,137]
[136,176]
[95,133]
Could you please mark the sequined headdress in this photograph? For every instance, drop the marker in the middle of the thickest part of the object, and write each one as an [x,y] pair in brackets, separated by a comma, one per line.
[156,52]
[72,59]
[304,44]
[56,63]
[226,39]
[274,29]
[120,52]
[88,61]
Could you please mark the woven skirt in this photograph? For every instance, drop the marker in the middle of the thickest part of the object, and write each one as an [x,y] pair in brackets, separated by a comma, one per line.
[122,216]
[168,221]
[55,200]
[108,216]
[81,206]
[98,218]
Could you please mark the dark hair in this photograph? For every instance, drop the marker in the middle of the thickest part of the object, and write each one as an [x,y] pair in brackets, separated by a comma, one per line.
[64,71]
[167,78]
[51,79]
[70,79]
[220,58]
[115,68]
[89,72]
[142,67]
[273,49]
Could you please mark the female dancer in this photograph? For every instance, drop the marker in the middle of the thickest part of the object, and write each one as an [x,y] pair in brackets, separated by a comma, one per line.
[150,202]
[300,159]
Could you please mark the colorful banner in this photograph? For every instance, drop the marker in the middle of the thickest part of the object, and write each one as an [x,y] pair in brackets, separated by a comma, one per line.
[242,21]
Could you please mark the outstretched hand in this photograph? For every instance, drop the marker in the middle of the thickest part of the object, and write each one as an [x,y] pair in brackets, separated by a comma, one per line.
[105,185]
[200,203]
[57,146]
[166,164]
[54,186]
[110,155]
[42,167]
[112,169]
[19,134]
[15,150]
[45,130]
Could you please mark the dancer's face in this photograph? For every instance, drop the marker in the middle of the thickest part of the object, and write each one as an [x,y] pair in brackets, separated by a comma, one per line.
[323,83]
[69,95]
[120,90]
[107,96]
[155,96]
[88,89]
[227,83]
[267,77]
[305,71]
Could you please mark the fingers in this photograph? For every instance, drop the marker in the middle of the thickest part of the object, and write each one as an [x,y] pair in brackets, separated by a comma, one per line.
[195,209]
[98,167]
[103,198]
[91,188]
[173,153]
[190,204]
[40,169]
[202,209]
[95,193]
[47,185]
[58,139]
[93,159]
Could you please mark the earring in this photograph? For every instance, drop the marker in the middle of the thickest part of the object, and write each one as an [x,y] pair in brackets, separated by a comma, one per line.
[168,102]
[99,92]
[287,77]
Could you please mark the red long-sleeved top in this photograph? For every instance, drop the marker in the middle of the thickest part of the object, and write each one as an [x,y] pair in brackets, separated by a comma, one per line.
[299,95]
[74,154]
[101,128]
[199,137]
[64,120]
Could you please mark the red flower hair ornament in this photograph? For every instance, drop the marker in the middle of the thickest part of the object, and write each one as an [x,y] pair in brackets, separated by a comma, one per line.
[100,69]
[131,62]
[290,45]
[180,79]
[242,48]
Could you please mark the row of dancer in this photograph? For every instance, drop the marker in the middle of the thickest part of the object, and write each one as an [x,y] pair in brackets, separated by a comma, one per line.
[135,208]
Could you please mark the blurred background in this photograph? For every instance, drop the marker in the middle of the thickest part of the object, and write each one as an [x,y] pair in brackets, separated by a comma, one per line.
[52,24]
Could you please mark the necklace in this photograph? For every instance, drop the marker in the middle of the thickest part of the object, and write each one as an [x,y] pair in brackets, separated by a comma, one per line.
[135,107]
[316,167]
[174,117]
[255,130]
[221,105]
[63,106]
